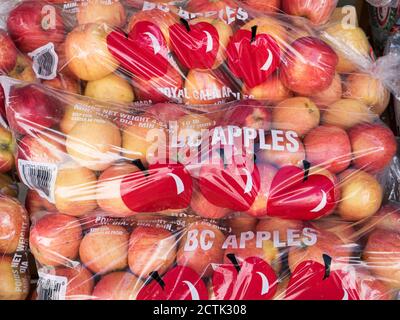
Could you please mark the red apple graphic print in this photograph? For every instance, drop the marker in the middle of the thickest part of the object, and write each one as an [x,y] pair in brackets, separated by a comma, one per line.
[296,195]
[180,283]
[253,57]
[252,279]
[143,53]
[159,188]
[314,281]
[195,45]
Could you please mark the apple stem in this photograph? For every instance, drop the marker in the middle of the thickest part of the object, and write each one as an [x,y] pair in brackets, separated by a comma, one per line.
[253,33]
[234,261]
[307,167]
[328,263]
[155,276]
[186,24]
[138,163]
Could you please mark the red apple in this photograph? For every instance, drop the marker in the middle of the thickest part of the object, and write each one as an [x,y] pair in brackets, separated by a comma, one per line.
[241,223]
[264,6]
[167,112]
[328,147]
[8,53]
[33,24]
[55,239]
[309,66]
[387,218]
[14,224]
[30,109]
[317,11]
[374,146]
[36,205]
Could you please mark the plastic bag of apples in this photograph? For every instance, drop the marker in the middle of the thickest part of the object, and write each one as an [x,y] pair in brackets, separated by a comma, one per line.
[134,201]
[193,52]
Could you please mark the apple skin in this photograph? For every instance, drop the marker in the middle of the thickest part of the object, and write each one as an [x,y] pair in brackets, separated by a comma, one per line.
[36,205]
[65,82]
[14,224]
[387,218]
[317,11]
[75,190]
[9,288]
[7,148]
[25,25]
[94,11]
[55,239]
[117,286]
[110,88]
[346,113]
[203,208]
[23,69]
[264,6]
[201,260]
[105,248]
[382,255]
[80,282]
[241,223]
[30,109]
[328,147]
[374,147]
[166,112]
[279,225]
[8,53]
[298,114]
[108,189]
[151,249]
[361,195]
[309,66]
[330,95]
[87,53]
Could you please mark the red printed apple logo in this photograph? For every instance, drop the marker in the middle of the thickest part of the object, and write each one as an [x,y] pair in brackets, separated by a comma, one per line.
[180,283]
[234,185]
[295,194]
[195,45]
[253,279]
[314,281]
[143,52]
[253,57]
[159,188]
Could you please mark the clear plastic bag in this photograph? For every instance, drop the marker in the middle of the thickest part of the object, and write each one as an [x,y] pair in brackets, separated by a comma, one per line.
[99,171]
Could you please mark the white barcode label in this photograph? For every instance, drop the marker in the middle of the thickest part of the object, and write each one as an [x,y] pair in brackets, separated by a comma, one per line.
[45,62]
[51,287]
[40,177]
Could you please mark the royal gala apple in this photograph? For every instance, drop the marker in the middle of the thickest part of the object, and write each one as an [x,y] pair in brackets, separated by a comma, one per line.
[259,207]
[151,249]
[283,156]
[200,43]
[108,189]
[54,240]
[75,190]
[298,114]
[117,286]
[8,53]
[241,223]
[250,114]
[280,226]
[382,256]
[33,24]
[341,35]
[14,283]
[80,282]
[202,207]
[14,225]
[160,89]
[31,109]
[95,11]
[167,111]
[110,88]
[94,145]
[363,87]
[66,82]
[317,11]
[36,205]
[104,249]
[272,90]
[309,66]
[346,113]
[7,148]
[330,95]
[387,218]
[265,6]
[44,148]
[361,195]
[201,247]
[328,147]
[87,53]
[374,146]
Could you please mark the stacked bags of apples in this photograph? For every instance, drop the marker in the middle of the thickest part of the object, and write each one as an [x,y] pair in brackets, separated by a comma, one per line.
[293,182]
